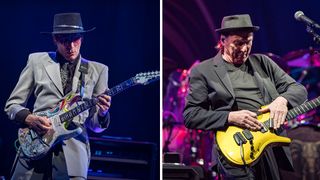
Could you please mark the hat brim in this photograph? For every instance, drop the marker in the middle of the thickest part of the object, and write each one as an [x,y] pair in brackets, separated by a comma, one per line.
[251,28]
[69,31]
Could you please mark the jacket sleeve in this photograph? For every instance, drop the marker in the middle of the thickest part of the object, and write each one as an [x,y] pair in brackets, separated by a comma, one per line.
[198,112]
[94,121]
[16,104]
[286,86]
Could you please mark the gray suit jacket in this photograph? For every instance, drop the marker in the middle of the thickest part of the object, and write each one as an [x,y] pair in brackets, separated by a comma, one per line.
[41,76]
[211,96]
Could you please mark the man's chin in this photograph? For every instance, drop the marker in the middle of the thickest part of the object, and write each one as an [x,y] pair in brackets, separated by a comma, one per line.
[241,60]
[238,61]
[71,58]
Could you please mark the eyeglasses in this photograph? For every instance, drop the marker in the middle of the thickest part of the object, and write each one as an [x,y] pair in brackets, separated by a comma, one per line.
[67,38]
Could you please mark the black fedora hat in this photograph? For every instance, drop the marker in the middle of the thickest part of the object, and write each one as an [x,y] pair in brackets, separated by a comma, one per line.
[67,23]
[234,22]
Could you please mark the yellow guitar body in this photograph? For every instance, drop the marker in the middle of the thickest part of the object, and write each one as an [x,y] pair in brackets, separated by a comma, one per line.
[252,149]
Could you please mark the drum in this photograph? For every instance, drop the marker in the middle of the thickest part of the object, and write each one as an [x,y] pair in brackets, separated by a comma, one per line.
[174,138]
[304,130]
[194,146]
[305,150]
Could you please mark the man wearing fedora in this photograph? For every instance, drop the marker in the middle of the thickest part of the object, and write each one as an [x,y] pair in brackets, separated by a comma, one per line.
[50,76]
[230,88]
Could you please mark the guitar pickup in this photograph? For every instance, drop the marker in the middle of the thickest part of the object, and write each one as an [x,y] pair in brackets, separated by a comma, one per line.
[264,128]
[247,134]
[239,139]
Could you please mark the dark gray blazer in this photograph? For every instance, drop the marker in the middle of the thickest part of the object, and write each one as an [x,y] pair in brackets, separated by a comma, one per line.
[41,76]
[211,97]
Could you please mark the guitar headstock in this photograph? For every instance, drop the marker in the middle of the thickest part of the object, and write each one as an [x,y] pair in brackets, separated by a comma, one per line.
[146,77]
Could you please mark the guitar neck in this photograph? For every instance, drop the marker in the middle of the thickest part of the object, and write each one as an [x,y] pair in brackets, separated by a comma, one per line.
[69,115]
[303,108]
[141,78]
[120,87]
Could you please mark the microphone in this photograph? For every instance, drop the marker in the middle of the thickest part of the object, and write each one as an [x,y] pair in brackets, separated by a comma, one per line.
[299,15]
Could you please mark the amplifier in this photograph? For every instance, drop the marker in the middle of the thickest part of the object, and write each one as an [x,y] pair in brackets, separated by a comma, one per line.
[176,171]
[121,159]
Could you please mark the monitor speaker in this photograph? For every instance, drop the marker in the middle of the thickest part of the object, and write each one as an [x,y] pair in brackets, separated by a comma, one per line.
[122,159]
[182,172]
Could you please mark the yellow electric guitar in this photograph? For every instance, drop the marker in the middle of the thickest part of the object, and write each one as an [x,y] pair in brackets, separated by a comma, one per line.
[244,147]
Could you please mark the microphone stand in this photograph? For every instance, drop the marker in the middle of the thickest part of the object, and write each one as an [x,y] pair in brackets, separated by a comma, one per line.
[316,37]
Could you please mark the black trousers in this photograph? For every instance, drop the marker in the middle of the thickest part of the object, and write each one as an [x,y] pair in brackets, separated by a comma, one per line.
[262,170]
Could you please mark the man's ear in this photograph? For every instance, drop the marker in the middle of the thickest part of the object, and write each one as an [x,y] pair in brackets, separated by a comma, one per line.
[222,38]
[54,39]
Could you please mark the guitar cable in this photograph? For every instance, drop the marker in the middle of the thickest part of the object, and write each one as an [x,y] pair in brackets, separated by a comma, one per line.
[16,145]
[241,154]
[16,159]
[240,140]
[245,167]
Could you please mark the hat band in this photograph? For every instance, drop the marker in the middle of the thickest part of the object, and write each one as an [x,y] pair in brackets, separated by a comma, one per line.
[68,26]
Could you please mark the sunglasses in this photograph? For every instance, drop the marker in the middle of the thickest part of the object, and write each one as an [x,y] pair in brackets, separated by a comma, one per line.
[67,38]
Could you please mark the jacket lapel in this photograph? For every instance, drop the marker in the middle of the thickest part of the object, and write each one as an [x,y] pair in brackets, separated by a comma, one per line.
[53,70]
[222,74]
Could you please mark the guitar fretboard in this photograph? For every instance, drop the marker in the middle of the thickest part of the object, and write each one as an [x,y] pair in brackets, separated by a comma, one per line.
[120,87]
[305,107]
[69,115]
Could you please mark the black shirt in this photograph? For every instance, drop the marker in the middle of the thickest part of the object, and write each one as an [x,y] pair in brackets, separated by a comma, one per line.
[67,70]
[246,90]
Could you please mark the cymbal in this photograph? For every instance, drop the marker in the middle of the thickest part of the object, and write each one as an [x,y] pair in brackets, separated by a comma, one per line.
[303,58]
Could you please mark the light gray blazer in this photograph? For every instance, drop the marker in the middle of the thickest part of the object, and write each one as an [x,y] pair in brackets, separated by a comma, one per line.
[41,76]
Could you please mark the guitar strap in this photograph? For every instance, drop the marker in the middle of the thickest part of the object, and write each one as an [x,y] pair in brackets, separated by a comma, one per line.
[83,69]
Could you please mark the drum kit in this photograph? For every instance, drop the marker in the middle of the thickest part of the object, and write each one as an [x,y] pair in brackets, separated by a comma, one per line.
[194,146]
[304,67]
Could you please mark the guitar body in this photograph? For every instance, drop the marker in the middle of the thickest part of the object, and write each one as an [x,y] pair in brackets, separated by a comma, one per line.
[35,146]
[252,149]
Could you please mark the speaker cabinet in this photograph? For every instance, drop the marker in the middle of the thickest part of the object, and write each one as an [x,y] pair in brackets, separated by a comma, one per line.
[121,159]
[182,172]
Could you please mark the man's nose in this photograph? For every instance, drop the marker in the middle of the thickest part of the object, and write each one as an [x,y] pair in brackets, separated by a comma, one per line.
[69,45]
[244,47]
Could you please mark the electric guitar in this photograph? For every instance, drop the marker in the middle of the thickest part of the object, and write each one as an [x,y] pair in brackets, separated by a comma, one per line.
[244,147]
[35,146]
